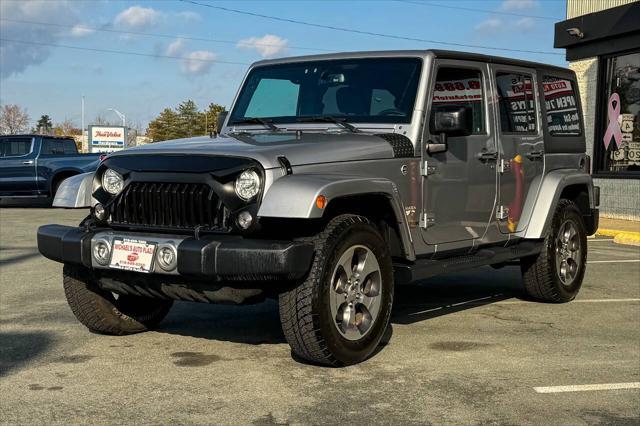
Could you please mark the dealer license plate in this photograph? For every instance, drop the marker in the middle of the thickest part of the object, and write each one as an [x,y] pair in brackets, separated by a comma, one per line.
[132,255]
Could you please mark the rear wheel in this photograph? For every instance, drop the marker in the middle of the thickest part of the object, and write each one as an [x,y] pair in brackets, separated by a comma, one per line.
[340,313]
[104,312]
[555,275]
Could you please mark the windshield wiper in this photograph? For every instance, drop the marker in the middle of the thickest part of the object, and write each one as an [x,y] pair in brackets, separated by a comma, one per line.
[257,120]
[329,119]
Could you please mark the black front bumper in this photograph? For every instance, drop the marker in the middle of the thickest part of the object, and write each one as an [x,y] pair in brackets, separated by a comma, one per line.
[222,257]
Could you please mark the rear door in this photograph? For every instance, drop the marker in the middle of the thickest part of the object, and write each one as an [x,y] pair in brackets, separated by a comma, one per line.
[17,165]
[459,185]
[521,144]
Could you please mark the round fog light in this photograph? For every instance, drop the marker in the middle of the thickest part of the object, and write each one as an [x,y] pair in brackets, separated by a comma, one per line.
[101,252]
[167,258]
[244,220]
[100,212]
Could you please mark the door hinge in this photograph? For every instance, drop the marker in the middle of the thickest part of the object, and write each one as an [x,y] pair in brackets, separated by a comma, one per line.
[427,220]
[504,165]
[502,213]
[427,169]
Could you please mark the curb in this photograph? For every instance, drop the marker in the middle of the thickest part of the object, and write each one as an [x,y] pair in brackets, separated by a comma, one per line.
[621,237]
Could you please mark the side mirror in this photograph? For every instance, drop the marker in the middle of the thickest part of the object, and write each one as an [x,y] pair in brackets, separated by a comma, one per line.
[449,120]
[220,119]
[452,120]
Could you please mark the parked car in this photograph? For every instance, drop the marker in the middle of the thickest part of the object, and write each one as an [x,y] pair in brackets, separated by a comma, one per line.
[36,165]
[334,179]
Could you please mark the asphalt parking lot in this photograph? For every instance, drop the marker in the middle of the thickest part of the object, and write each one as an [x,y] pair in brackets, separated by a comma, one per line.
[462,349]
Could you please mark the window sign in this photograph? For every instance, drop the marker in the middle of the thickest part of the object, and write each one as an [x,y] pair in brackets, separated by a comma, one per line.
[561,104]
[618,146]
[517,107]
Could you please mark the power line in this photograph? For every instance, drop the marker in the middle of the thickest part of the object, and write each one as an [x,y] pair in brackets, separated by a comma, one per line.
[170,36]
[471,9]
[123,52]
[370,33]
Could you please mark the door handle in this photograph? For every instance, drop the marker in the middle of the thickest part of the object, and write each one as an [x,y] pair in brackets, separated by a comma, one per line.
[28,162]
[487,155]
[534,155]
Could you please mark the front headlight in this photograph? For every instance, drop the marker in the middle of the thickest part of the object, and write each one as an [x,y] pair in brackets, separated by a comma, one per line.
[112,181]
[247,185]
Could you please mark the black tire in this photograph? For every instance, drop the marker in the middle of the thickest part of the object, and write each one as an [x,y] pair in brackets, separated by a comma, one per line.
[541,275]
[305,311]
[101,312]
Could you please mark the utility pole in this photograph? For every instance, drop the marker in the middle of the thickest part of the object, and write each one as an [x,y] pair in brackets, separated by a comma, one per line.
[82,128]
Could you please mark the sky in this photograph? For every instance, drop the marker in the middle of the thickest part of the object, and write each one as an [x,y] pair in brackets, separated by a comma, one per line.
[53,52]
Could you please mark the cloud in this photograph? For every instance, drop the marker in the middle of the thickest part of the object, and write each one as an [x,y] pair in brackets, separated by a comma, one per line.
[80,30]
[267,46]
[525,24]
[189,16]
[518,5]
[490,26]
[15,58]
[176,48]
[197,62]
[137,17]
[494,26]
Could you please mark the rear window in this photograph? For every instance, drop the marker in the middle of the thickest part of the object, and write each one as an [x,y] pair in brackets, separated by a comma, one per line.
[70,147]
[563,118]
[15,147]
[58,147]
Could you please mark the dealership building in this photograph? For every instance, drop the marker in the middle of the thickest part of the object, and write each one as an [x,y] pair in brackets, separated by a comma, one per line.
[602,42]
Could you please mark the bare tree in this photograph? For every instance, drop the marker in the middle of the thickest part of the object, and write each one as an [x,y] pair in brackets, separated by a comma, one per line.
[66,128]
[100,120]
[13,120]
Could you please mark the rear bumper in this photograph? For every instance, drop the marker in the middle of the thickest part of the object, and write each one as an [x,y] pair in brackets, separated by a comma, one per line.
[211,257]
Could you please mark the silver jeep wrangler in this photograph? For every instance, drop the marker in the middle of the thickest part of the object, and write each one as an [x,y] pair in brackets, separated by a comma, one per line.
[333,179]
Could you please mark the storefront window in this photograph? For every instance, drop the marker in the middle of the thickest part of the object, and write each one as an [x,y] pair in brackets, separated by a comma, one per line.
[617,144]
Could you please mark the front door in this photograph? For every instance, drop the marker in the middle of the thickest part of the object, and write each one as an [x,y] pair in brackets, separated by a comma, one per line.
[521,144]
[459,185]
[17,166]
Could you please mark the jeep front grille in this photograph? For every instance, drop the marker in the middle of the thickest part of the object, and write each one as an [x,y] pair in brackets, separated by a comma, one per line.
[168,206]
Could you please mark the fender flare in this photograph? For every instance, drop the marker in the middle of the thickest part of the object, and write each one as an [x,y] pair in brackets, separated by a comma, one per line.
[55,175]
[75,192]
[548,196]
[294,196]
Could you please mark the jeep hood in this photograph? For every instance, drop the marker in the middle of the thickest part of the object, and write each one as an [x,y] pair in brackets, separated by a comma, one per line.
[307,148]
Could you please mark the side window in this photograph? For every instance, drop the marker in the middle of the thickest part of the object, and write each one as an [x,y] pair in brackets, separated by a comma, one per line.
[16,147]
[70,147]
[561,102]
[463,88]
[516,101]
[274,98]
[51,147]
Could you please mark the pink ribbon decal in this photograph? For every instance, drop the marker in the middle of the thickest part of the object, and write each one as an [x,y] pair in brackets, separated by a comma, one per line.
[613,130]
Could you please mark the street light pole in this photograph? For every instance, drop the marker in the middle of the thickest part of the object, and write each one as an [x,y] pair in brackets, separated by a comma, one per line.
[121,115]
[82,127]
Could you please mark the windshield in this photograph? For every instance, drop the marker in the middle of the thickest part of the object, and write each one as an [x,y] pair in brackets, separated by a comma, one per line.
[372,90]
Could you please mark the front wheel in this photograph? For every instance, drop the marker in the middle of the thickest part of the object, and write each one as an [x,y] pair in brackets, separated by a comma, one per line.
[340,313]
[555,275]
[103,312]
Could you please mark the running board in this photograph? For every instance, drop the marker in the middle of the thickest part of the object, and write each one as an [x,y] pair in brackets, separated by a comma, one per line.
[426,268]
